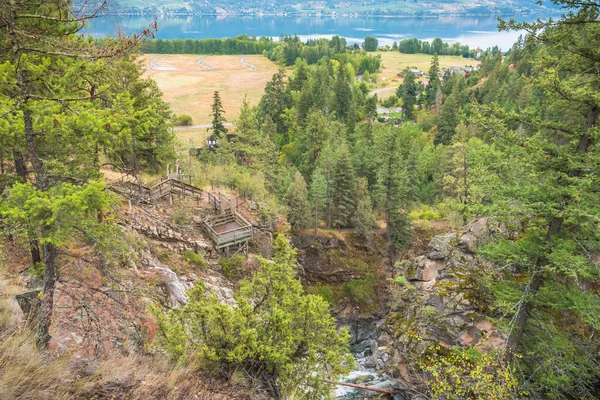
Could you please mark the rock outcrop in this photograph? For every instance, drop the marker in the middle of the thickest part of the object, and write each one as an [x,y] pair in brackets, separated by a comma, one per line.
[440,301]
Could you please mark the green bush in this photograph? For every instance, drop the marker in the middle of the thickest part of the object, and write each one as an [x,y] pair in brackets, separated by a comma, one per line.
[183,119]
[194,258]
[233,266]
[426,213]
[391,101]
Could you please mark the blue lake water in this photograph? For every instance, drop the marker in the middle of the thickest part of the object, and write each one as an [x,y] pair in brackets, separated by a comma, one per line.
[474,31]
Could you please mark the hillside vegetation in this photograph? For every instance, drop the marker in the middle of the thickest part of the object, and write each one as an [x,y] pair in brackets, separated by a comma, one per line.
[373,7]
[451,248]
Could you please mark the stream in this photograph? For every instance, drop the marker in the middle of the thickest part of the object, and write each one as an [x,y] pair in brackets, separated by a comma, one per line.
[369,363]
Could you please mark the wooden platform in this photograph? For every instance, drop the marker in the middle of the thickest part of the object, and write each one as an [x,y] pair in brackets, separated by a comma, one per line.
[228,229]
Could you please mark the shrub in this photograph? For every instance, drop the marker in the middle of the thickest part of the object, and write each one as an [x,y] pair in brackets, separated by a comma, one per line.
[182,212]
[194,258]
[233,266]
[362,293]
[391,101]
[426,213]
[183,119]
[469,374]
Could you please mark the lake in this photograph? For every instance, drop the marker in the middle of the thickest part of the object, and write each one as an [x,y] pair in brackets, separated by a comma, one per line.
[474,31]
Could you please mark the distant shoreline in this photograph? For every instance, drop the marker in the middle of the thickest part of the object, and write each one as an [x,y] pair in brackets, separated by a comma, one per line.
[308,15]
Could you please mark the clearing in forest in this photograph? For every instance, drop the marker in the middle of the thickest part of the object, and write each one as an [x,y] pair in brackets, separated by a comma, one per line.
[394,62]
[189,81]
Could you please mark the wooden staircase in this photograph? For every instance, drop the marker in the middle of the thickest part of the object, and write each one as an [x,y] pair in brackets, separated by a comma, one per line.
[155,190]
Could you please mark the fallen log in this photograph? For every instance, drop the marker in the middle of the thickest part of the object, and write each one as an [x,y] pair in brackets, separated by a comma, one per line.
[371,389]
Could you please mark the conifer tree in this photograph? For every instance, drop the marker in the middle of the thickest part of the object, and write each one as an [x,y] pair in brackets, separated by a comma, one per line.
[345,188]
[364,220]
[434,81]
[218,129]
[447,120]
[59,116]
[392,188]
[296,201]
[280,336]
[554,196]
[408,93]
[343,93]
[318,195]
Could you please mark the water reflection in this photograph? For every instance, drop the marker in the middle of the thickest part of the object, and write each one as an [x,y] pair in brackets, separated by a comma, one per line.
[474,31]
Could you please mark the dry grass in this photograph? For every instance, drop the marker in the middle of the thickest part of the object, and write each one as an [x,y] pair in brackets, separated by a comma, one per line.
[28,374]
[189,87]
[394,62]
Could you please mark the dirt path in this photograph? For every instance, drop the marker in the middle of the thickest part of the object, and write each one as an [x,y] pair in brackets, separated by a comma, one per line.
[250,66]
[156,68]
[201,63]
[381,90]
[205,126]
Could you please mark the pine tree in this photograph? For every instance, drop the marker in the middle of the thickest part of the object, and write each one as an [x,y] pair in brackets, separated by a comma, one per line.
[281,337]
[343,93]
[364,220]
[318,195]
[218,129]
[392,188]
[434,81]
[296,201]
[408,94]
[554,196]
[447,120]
[345,188]
[59,105]
[395,46]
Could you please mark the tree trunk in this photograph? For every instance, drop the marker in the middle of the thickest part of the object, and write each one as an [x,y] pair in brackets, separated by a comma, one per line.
[553,228]
[21,170]
[20,167]
[49,252]
[42,334]
[534,285]
[388,230]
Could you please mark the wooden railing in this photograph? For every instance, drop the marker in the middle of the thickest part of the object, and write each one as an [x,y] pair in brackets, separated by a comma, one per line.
[240,234]
[155,190]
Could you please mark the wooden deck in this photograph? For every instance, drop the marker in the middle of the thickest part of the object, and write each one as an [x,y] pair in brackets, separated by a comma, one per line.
[228,229]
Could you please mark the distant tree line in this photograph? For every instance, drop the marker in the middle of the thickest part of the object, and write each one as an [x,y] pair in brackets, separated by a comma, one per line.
[285,51]
[242,44]
[437,46]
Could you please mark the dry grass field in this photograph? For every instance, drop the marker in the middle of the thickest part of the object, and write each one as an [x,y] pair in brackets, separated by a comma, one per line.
[189,81]
[394,62]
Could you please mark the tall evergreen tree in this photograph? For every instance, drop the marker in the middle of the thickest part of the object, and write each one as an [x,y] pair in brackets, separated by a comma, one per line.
[345,188]
[363,219]
[408,93]
[554,196]
[59,116]
[392,188]
[296,201]
[318,195]
[343,94]
[447,120]
[218,129]
[434,81]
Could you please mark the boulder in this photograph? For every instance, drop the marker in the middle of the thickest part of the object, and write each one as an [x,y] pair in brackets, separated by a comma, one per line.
[440,246]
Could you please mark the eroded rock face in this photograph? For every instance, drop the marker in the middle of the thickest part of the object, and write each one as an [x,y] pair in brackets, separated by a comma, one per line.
[327,259]
[439,305]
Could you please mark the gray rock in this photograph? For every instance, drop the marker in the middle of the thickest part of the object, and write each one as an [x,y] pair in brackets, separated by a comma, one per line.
[440,246]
